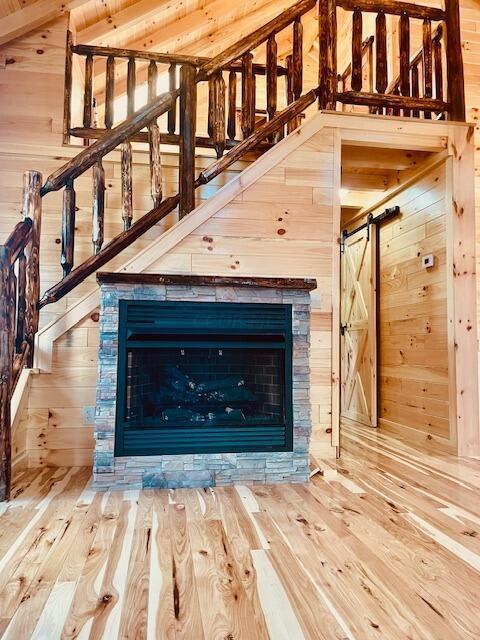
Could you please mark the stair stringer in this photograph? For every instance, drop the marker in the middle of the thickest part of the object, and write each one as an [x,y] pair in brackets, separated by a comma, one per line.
[169,239]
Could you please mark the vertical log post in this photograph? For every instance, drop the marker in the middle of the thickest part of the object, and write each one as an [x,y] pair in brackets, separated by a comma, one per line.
[291,125]
[232,105]
[415,89]
[88,92]
[248,95]
[68,228]
[67,94]
[152,80]
[455,80]
[98,209]
[22,302]
[327,63]
[271,71]
[6,373]
[188,118]
[427,62]
[381,75]
[155,164]
[404,41]
[438,64]
[127,188]
[131,86]
[357,57]
[218,122]
[109,92]
[172,85]
[297,58]
[32,208]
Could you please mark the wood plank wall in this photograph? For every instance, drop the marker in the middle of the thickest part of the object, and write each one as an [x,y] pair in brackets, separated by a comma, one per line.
[413,321]
[280,226]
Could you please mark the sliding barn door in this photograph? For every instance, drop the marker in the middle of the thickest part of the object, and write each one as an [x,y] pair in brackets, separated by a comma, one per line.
[359,335]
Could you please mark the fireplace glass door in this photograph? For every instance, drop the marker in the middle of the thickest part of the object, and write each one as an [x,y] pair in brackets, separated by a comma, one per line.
[203,377]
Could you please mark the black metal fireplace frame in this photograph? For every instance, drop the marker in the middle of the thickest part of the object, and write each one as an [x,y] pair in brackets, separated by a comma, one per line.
[256,325]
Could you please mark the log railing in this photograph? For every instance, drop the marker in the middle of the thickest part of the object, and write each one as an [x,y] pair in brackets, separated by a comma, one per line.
[142,125]
[20,292]
[141,70]
[407,96]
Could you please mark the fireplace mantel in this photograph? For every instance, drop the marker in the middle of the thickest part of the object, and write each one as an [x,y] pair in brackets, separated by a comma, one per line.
[112,277]
[271,461]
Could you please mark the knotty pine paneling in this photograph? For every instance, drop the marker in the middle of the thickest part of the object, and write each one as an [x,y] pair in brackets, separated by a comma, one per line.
[413,341]
[261,233]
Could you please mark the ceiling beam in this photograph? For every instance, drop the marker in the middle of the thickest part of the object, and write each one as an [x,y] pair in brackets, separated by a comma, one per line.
[19,22]
[146,12]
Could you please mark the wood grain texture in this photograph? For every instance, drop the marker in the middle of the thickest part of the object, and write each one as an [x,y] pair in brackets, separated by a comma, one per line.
[345,555]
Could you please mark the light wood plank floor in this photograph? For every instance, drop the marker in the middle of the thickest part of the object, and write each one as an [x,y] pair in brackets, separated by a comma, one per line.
[384,545]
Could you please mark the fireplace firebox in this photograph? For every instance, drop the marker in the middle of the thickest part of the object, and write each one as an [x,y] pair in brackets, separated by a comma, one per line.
[203,377]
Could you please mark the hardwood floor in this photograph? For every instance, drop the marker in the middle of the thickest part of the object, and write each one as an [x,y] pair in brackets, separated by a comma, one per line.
[384,545]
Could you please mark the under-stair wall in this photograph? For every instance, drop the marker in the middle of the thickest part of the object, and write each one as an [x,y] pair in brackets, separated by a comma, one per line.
[285,224]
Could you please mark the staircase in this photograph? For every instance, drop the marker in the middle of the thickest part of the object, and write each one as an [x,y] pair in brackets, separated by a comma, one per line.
[232,133]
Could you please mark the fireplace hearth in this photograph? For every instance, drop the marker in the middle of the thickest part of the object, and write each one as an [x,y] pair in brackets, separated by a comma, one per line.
[203,381]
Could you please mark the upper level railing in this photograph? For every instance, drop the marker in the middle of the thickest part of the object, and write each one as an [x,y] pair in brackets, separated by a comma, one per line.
[406,96]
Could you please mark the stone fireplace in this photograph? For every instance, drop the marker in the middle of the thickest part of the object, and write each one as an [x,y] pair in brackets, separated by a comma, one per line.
[203,381]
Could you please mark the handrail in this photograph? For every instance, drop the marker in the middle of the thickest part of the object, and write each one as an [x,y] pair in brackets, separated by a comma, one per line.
[253,40]
[89,156]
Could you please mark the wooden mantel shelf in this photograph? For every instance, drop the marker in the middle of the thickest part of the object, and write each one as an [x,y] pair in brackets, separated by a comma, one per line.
[104,277]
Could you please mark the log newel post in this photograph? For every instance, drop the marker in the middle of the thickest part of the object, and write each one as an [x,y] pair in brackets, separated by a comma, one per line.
[327,63]
[32,209]
[455,79]
[188,116]
[67,95]
[6,373]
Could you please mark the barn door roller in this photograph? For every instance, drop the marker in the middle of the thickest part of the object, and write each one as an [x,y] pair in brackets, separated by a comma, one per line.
[389,213]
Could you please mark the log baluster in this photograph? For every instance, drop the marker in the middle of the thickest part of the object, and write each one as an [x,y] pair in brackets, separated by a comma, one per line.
[188,116]
[232,105]
[211,106]
[172,85]
[131,86]
[381,73]
[357,57]
[218,123]
[327,63]
[291,125]
[98,209]
[68,228]
[32,208]
[427,62]
[88,94]
[21,301]
[297,58]
[127,186]
[271,72]
[67,96]
[152,80]
[415,89]
[438,65]
[404,41]
[155,164]
[248,95]
[110,92]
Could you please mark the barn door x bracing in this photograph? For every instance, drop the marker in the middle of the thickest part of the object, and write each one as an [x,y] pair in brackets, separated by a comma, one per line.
[358,320]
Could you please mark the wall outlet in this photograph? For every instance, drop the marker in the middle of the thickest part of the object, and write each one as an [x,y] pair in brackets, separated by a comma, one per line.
[88,415]
[428,261]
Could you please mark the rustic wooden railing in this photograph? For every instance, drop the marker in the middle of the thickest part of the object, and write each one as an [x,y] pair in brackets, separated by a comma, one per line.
[142,125]
[407,96]
[20,292]
[139,75]
[345,78]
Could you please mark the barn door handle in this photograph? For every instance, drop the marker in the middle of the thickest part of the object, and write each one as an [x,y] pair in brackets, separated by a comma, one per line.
[343,328]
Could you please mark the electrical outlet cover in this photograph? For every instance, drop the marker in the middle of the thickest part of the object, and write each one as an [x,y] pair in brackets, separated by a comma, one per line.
[88,415]
[428,261]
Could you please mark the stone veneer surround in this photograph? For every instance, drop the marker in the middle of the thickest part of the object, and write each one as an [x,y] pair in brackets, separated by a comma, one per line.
[202,469]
